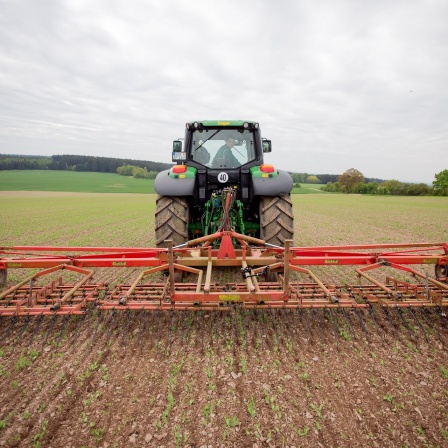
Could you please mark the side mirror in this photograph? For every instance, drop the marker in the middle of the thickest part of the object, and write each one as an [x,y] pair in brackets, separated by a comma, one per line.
[178,154]
[177,146]
[267,145]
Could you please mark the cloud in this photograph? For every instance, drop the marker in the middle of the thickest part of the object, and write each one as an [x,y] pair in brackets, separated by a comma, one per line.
[334,84]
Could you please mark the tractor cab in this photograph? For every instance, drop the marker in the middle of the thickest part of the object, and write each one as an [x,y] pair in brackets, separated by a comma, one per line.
[221,145]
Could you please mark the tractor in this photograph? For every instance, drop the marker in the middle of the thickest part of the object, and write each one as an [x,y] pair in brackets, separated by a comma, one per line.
[220,181]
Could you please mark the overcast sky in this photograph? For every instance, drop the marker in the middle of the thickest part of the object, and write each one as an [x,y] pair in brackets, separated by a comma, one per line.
[334,84]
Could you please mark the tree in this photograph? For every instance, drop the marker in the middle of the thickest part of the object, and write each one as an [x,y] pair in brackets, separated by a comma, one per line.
[140,173]
[312,180]
[392,186]
[126,170]
[331,187]
[440,185]
[349,180]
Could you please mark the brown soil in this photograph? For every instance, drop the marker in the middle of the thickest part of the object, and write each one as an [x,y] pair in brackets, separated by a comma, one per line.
[206,380]
[242,380]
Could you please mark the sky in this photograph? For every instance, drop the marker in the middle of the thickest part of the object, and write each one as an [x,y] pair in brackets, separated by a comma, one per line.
[335,84]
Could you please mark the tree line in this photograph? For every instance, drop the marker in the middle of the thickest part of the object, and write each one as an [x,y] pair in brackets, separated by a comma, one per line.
[353,181]
[76,163]
[305,178]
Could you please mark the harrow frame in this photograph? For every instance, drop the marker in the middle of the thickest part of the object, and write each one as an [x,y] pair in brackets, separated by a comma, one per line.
[200,256]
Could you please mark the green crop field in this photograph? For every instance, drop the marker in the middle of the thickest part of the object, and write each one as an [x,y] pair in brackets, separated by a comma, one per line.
[128,219]
[72,181]
[48,180]
[308,189]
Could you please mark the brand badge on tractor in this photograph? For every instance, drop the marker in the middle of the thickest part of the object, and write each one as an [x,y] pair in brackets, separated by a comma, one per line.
[223,177]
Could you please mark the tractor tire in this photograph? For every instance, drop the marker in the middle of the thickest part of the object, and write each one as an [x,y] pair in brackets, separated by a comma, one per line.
[172,219]
[441,271]
[276,219]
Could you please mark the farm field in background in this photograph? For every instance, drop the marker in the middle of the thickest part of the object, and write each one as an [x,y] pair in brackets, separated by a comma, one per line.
[176,381]
[128,219]
[72,181]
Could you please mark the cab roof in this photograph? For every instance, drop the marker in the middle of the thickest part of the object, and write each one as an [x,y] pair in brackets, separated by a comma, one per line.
[223,123]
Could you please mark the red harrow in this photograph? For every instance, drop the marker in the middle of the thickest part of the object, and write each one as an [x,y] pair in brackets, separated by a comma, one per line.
[272,278]
[268,277]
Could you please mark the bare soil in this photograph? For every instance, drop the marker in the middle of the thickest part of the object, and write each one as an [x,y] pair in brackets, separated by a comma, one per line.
[284,379]
[195,379]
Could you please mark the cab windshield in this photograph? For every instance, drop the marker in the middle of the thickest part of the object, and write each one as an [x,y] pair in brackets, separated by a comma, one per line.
[223,148]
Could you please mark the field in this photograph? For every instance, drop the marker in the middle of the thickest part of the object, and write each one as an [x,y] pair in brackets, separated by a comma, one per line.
[72,181]
[209,381]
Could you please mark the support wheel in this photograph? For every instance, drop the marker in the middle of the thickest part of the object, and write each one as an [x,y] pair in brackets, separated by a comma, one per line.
[172,219]
[276,219]
[3,276]
[441,271]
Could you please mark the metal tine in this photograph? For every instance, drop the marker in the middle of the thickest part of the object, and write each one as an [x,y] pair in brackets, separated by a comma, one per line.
[98,323]
[151,323]
[50,329]
[334,325]
[210,329]
[304,316]
[189,323]
[361,322]
[125,336]
[11,326]
[372,315]
[405,322]
[158,327]
[322,323]
[348,322]
[172,328]
[396,333]
[143,322]
[63,328]
[293,319]
[299,322]
[202,329]
[24,327]
[37,326]
[109,324]
[289,324]
[78,329]
[260,328]
[255,327]
[414,315]
[218,320]
[274,324]
[215,329]
[235,329]
[243,321]
[170,325]
[426,318]
[285,323]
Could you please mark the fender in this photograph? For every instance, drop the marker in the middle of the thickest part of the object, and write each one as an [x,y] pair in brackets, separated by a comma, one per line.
[166,184]
[272,186]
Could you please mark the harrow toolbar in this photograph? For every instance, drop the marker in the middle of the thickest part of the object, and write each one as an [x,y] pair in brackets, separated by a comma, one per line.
[268,277]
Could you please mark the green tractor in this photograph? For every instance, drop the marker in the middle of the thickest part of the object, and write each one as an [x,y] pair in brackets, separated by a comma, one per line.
[220,180]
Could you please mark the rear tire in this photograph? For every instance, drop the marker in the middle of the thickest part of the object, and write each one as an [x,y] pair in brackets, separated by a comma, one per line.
[276,219]
[441,271]
[172,219]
